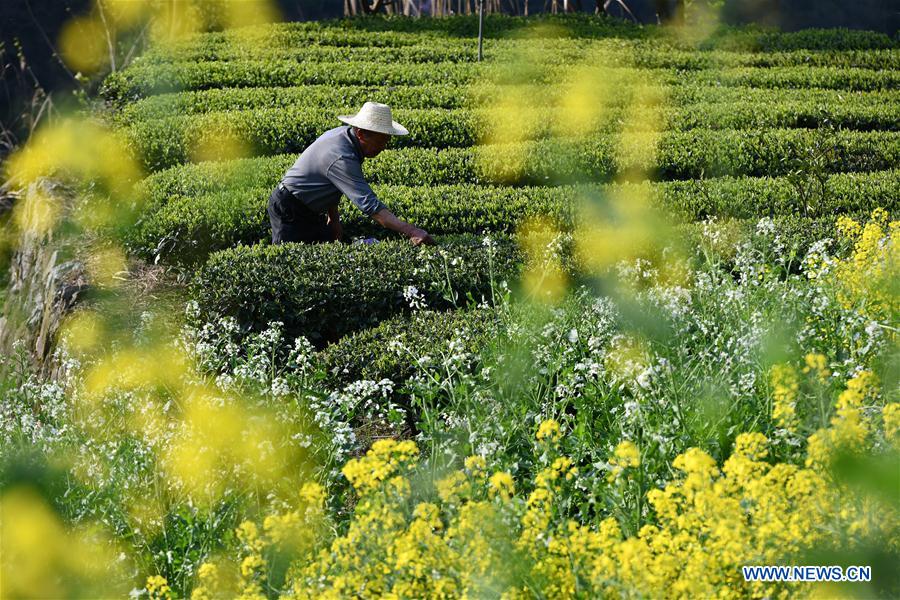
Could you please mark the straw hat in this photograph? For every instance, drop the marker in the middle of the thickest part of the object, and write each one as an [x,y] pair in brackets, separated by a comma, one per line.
[374,116]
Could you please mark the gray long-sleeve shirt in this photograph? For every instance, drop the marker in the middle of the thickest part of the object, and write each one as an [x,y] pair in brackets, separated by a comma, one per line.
[329,167]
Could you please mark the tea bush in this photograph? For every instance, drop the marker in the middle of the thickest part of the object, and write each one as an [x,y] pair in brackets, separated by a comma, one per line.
[620,53]
[142,80]
[431,95]
[186,228]
[164,142]
[388,350]
[679,155]
[323,291]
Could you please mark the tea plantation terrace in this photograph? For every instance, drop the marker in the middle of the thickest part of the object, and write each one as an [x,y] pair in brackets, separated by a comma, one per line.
[742,116]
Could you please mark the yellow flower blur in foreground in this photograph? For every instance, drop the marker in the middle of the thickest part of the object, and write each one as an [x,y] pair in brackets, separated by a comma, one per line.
[599,119]
[86,154]
[93,42]
[544,278]
[77,147]
[41,558]
[38,213]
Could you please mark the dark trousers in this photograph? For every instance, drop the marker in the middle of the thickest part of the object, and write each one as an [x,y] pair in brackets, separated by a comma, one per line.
[292,221]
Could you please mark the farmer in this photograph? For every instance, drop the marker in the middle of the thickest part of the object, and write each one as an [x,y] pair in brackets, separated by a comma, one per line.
[304,205]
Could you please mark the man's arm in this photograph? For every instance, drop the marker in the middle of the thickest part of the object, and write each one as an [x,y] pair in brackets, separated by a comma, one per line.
[346,174]
[334,221]
[387,219]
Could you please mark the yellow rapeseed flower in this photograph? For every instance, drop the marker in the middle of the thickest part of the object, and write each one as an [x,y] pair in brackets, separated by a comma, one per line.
[548,431]
[848,430]
[381,463]
[251,565]
[847,227]
[208,582]
[864,281]
[751,445]
[626,455]
[453,488]
[708,522]
[158,587]
[428,513]
[817,364]
[785,390]
[313,494]
[248,533]
[502,484]
[476,465]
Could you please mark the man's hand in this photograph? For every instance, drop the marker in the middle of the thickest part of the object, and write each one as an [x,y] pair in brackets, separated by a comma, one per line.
[416,236]
[420,236]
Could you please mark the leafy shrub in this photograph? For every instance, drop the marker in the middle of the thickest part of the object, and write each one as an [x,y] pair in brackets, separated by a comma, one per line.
[755,40]
[386,351]
[679,155]
[145,79]
[398,32]
[323,291]
[164,142]
[693,154]
[698,93]
[427,95]
[416,51]
[581,25]
[186,228]
[803,77]
[211,176]
[434,95]
[623,53]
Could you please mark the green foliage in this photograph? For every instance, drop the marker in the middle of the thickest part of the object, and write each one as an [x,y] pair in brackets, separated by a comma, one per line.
[165,142]
[324,291]
[186,228]
[697,153]
[679,155]
[803,77]
[757,40]
[207,177]
[388,350]
[428,95]
[381,31]
[432,95]
[417,51]
[168,141]
[659,54]
[145,79]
